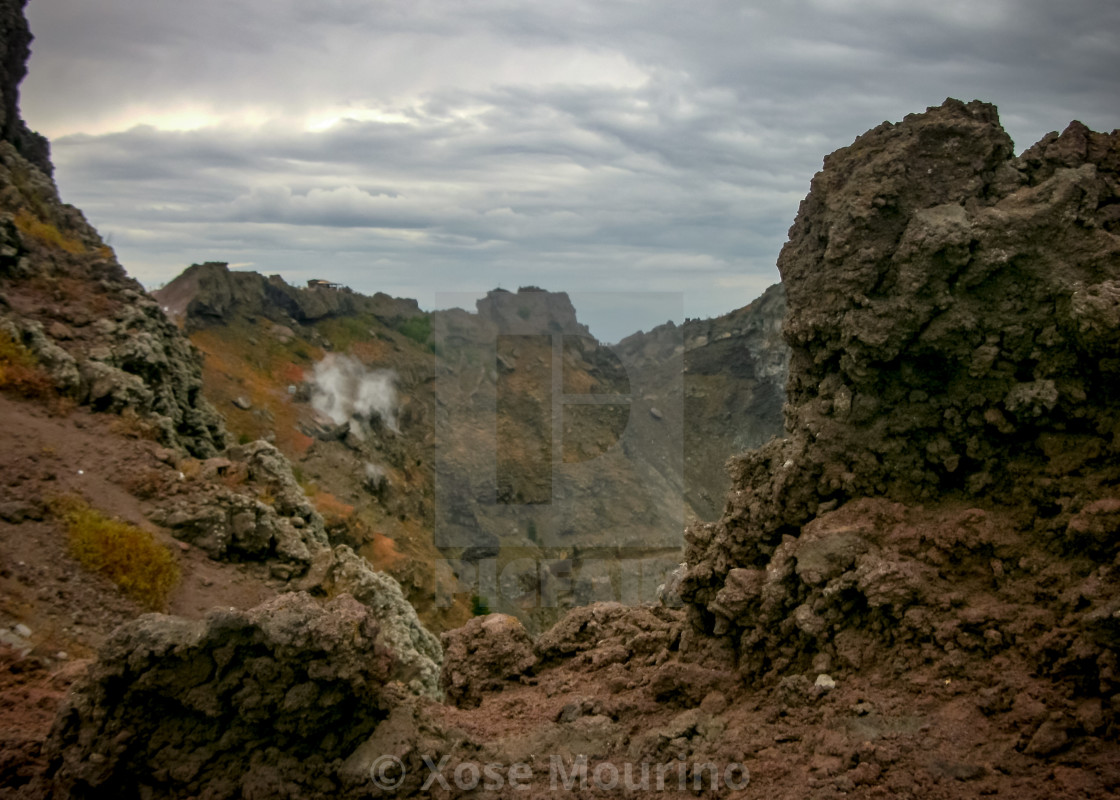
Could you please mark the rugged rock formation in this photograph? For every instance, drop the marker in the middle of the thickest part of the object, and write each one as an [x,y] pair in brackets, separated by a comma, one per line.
[264,703]
[417,650]
[735,371]
[229,523]
[953,321]
[531,311]
[208,294]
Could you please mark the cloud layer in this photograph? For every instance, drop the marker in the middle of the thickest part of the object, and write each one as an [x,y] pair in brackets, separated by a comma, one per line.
[599,146]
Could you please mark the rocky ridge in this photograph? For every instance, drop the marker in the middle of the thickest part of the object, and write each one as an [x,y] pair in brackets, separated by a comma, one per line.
[209,294]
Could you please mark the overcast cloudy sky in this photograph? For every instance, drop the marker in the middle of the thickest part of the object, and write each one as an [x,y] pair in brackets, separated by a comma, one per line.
[457,145]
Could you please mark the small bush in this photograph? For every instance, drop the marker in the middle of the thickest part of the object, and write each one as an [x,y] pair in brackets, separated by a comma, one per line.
[20,371]
[123,553]
[479,606]
[418,329]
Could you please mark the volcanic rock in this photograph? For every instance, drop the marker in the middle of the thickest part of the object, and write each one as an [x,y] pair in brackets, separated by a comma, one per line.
[482,656]
[264,702]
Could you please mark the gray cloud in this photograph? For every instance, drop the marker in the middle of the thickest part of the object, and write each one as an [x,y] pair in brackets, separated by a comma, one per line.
[594,146]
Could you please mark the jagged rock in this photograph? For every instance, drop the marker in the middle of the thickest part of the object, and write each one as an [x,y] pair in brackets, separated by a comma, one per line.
[950,308]
[530,311]
[228,525]
[482,656]
[418,651]
[108,388]
[735,370]
[58,363]
[269,468]
[265,702]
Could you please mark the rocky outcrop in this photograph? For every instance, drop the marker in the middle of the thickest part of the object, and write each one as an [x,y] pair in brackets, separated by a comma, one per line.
[260,703]
[951,309]
[531,311]
[602,634]
[15,48]
[254,510]
[483,656]
[418,651]
[209,294]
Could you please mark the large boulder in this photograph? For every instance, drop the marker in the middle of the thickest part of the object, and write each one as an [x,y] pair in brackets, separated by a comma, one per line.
[260,703]
[482,656]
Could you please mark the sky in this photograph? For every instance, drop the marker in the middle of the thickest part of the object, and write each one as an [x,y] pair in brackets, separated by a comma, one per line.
[600,147]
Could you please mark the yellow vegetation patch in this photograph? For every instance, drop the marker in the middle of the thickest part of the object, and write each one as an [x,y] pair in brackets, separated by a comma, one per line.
[125,554]
[20,371]
[47,233]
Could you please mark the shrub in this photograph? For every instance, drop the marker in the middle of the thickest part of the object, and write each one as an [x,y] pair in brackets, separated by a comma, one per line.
[123,553]
[20,371]
[418,329]
[479,606]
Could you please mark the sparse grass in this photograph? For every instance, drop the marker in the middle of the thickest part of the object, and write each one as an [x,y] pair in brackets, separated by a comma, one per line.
[20,371]
[345,332]
[133,426]
[125,554]
[47,233]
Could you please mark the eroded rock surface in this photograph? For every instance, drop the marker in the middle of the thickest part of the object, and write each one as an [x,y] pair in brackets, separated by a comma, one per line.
[264,703]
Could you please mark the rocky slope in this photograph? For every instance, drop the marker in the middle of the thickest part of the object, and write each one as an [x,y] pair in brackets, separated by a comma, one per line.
[64,297]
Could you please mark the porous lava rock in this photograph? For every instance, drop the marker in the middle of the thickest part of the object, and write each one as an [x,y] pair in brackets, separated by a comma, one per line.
[484,655]
[260,703]
[953,313]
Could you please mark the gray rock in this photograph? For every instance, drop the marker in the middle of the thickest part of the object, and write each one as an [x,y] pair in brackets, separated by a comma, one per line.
[419,655]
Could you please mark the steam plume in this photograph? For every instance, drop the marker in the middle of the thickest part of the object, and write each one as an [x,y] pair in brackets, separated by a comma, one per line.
[343,389]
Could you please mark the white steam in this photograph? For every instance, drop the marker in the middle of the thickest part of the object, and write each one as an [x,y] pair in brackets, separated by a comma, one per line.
[343,389]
